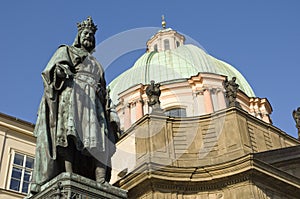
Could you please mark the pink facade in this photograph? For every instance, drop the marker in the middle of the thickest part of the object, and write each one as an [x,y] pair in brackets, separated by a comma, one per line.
[199,95]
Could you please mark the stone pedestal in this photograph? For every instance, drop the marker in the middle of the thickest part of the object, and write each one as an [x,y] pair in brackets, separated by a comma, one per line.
[157,111]
[73,186]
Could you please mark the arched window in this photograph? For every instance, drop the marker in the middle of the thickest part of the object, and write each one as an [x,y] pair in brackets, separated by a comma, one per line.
[167,44]
[177,43]
[176,112]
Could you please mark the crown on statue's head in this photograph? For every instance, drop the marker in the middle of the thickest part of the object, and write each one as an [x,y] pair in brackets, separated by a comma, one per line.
[87,24]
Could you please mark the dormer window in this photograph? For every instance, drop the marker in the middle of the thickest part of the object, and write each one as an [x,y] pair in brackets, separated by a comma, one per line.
[167,44]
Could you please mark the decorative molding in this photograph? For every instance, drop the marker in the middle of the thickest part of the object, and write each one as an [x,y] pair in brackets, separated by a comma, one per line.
[203,186]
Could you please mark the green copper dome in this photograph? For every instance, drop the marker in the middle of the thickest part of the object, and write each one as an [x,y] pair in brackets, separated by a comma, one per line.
[180,63]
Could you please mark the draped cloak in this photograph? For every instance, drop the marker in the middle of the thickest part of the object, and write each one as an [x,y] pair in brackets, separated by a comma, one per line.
[72,108]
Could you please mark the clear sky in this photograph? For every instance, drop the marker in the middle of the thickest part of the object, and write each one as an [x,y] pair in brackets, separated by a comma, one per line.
[259,38]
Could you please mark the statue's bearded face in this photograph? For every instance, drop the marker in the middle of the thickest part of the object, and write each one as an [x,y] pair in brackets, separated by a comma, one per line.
[87,39]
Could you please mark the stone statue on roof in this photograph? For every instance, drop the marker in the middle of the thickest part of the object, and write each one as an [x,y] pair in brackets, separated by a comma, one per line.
[296,116]
[231,89]
[153,93]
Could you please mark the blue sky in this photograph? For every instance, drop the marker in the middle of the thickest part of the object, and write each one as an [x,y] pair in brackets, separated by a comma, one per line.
[259,38]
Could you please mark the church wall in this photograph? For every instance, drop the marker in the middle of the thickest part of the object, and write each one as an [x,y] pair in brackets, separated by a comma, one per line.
[204,140]
[265,137]
[133,112]
[124,158]
[200,95]
[178,96]
[129,151]
[198,106]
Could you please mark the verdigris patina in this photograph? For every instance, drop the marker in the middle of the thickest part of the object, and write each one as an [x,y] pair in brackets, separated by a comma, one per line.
[73,125]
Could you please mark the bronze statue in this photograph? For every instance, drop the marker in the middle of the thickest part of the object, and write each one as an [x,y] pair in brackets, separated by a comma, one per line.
[231,91]
[73,126]
[296,116]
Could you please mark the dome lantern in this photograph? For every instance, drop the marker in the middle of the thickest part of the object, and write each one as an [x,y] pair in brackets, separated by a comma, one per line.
[165,39]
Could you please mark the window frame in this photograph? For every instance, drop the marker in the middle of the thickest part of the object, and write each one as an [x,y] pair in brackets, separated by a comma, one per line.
[155,48]
[181,109]
[167,44]
[23,168]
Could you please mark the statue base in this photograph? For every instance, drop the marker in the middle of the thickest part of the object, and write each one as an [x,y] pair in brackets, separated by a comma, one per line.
[70,185]
[157,111]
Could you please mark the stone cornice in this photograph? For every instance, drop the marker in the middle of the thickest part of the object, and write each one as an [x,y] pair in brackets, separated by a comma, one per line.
[137,87]
[188,174]
[17,125]
[17,120]
[219,113]
[209,177]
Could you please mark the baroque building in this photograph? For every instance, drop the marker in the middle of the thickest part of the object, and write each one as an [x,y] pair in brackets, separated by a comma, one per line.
[200,147]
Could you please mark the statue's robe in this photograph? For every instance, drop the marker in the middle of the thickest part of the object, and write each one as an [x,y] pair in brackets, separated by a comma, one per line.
[72,109]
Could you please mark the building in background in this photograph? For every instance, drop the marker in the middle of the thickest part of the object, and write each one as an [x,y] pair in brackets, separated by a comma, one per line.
[201,147]
[17,148]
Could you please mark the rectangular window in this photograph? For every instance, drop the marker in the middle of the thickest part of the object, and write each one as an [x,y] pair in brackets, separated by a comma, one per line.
[21,173]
